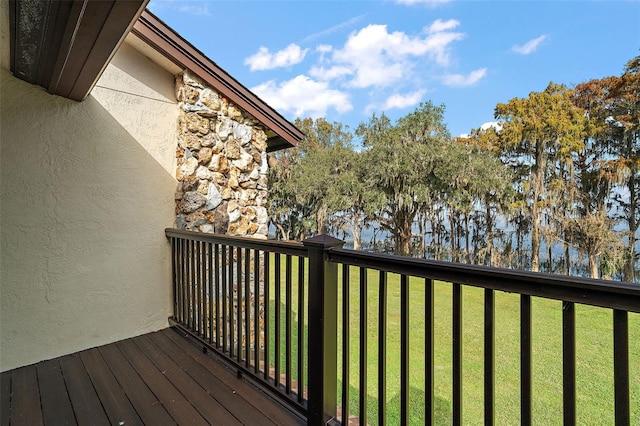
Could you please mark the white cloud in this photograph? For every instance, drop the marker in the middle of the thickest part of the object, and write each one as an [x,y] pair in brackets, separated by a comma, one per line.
[530,46]
[303,97]
[402,101]
[372,57]
[324,48]
[461,80]
[439,25]
[491,125]
[483,128]
[192,9]
[378,58]
[396,101]
[330,73]
[438,44]
[265,60]
[424,2]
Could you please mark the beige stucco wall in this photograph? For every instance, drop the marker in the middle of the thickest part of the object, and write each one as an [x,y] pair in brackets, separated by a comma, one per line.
[86,192]
[4,35]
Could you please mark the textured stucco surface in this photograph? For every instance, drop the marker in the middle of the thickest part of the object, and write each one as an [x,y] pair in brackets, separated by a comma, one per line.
[86,192]
[141,97]
[5,48]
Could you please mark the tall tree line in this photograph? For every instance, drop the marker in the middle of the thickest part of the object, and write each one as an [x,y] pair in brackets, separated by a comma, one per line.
[552,187]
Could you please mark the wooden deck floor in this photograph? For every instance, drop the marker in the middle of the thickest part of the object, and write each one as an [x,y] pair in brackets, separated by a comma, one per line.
[155,379]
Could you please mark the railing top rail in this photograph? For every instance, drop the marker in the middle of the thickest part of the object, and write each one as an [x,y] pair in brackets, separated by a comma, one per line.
[273,246]
[587,291]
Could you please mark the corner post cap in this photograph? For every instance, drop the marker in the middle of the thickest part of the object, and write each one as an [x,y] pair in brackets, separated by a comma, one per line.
[322,241]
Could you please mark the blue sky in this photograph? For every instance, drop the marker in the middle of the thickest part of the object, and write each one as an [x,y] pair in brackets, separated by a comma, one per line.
[345,60]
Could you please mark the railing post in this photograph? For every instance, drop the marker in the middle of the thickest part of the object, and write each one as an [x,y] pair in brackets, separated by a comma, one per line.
[323,330]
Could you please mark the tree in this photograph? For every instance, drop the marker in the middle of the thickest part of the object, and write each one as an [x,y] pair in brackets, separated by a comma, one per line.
[595,235]
[624,105]
[489,185]
[609,164]
[327,151]
[400,160]
[591,229]
[304,184]
[538,132]
[358,199]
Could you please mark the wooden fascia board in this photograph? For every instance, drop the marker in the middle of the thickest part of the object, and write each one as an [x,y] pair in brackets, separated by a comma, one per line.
[92,36]
[64,46]
[162,38]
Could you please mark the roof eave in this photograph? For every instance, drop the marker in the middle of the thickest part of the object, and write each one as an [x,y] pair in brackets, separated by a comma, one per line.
[64,46]
[165,40]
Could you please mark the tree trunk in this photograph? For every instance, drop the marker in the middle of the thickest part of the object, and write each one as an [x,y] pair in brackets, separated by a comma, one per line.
[466,242]
[593,266]
[425,224]
[519,244]
[435,238]
[283,234]
[630,261]
[356,232]
[406,246]
[489,226]
[421,231]
[567,257]
[535,215]
[403,225]
[321,220]
[452,231]
[404,242]
[535,236]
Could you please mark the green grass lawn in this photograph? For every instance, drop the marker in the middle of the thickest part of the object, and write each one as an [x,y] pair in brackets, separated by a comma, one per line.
[594,337]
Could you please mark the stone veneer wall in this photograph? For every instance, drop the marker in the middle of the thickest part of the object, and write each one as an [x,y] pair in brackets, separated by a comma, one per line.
[221,164]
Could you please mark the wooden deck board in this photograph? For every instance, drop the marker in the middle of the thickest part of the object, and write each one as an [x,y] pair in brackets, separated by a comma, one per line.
[84,399]
[112,397]
[5,397]
[25,397]
[206,404]
[275,412]
[166,393]
[158,378]
[142,398]
[55,401]
[225,395]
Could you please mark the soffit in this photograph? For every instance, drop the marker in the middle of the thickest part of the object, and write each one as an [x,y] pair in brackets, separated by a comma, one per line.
[153,55]
[65,45]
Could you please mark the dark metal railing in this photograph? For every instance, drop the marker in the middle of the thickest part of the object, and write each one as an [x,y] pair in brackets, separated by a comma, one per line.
[228,293]
[621,298]
[211,270]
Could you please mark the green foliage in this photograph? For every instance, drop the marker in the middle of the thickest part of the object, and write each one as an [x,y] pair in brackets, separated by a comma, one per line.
[402,160]
[560,169]
[309,179]
[539,135]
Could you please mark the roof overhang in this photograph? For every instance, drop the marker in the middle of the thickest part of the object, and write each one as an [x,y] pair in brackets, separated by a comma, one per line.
[65,45]
[165,40]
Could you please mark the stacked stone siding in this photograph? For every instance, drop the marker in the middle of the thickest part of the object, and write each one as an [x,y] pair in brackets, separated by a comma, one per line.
[221,164]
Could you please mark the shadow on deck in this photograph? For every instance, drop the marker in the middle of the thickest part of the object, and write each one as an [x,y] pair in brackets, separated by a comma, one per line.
[155,379]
